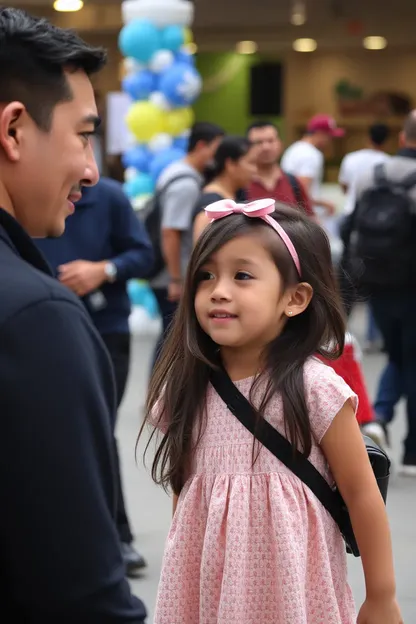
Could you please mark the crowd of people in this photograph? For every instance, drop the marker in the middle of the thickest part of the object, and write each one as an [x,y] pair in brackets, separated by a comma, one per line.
[253,322]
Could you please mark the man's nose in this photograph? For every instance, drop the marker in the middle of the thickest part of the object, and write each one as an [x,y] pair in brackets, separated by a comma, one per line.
[91,174]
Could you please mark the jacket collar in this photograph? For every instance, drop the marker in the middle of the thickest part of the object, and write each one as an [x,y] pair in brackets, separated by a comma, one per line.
[407,152]
[12,233]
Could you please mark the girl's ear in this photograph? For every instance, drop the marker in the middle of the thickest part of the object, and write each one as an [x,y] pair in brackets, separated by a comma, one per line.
[300,298]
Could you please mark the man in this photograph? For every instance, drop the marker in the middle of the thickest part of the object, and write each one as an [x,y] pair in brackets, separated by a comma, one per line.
[386,199]
[60,552]
[103,246]
[180,185]
[354,163]
[270,180]
[305,159]
[352,167]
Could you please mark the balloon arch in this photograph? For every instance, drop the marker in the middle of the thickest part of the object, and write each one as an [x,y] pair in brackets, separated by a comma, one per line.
[162,82]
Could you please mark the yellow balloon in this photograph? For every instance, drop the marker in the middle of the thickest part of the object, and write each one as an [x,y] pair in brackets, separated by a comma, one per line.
[179,120]
[145,120]
[189,37]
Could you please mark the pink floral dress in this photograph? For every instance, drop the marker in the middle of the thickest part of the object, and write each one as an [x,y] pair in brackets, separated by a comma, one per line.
[252,544]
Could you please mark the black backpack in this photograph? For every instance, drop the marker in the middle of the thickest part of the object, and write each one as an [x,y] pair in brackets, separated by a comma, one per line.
[151,217]
[381,245]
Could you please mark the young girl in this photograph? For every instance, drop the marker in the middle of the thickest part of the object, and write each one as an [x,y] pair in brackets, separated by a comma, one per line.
[249,542]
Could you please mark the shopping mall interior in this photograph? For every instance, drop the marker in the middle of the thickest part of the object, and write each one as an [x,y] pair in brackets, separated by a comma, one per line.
[353,60]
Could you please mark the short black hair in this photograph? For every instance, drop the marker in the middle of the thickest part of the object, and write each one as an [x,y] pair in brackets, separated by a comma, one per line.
[231,148]
[379,133]
[33,56]
[258,125]
[204,131]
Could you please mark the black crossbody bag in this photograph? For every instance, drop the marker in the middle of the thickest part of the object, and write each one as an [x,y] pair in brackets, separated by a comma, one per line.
[281,448]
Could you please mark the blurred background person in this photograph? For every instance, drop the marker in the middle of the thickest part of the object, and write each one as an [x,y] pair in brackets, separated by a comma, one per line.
[305,159]
[234,168]
[104,245]
[271,180]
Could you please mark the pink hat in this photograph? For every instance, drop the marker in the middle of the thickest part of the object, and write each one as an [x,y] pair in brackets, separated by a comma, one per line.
[325,123]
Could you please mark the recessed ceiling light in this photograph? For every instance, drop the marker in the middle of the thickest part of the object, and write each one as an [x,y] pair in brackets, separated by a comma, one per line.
[247,47]
[305,45]
[375,43]
[68,6]
[298,13]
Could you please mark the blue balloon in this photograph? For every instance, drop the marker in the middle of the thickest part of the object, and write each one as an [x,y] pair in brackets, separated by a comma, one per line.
[141,185]
[181,143]
[180,84]
[163,160]
[173,37]
[185,57]
[139,39]
[138,157]
[139,85]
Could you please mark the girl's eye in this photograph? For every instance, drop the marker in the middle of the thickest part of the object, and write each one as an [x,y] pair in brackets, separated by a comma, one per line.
[242,275]
[87,135]
[205,275]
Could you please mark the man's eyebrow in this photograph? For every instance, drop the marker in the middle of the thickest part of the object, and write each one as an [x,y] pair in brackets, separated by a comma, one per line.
[95,120]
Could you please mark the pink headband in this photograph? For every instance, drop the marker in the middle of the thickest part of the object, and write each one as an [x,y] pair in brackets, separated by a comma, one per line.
[260,209]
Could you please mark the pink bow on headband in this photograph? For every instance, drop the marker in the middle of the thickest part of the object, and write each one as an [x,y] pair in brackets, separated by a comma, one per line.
[260,209]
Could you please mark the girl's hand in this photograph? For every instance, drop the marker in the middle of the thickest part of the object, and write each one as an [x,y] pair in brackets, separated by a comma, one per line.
[380,612]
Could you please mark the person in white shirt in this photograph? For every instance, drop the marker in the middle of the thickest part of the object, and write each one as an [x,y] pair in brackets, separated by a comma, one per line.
[354,163]
[352,167]
[305,160]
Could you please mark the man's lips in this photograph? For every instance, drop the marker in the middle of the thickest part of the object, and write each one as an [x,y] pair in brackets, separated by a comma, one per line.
[74,197]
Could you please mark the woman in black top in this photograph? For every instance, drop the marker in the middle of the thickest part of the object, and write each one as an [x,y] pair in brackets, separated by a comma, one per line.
[233,169]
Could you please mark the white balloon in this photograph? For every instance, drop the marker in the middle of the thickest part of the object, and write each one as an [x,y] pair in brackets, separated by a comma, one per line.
[158,99]
[161,60]
[161,12]
[130,173]
[131,66]
[160,142]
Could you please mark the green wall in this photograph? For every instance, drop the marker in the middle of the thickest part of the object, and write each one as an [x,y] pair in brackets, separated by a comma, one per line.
[226,95]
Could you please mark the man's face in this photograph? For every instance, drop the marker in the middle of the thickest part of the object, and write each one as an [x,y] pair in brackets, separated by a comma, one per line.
[323,141]
[267,143]
[208,150]
[45,171]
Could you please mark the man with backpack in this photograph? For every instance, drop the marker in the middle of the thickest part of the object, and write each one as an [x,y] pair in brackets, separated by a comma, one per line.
[380,239]
[170,219]
[270,180]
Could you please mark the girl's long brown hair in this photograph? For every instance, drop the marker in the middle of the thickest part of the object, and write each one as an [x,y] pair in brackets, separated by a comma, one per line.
[179,382]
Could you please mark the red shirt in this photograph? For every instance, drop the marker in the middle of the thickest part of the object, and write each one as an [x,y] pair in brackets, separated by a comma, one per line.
[282,192]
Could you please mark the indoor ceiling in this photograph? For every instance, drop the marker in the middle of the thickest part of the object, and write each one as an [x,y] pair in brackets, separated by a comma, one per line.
[219,24]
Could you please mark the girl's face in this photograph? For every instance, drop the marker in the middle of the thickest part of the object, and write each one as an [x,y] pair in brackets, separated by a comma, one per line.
[244,169]
[239,301]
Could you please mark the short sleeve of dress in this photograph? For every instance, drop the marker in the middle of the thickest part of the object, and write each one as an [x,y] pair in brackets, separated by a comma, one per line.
[326,394]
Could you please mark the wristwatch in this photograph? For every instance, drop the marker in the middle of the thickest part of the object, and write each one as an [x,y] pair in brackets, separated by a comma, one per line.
[110,271]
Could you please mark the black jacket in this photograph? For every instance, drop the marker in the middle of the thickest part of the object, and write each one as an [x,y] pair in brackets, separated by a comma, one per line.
[60,560]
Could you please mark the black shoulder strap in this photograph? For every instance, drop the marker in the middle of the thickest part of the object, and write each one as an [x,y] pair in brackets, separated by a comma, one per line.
[294,183]
[409,182]
[380,175]
[278,445]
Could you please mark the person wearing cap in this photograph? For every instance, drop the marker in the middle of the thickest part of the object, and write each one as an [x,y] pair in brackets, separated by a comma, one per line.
[305,160]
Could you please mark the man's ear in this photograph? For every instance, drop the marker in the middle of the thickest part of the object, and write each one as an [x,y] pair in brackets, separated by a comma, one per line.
[11,125]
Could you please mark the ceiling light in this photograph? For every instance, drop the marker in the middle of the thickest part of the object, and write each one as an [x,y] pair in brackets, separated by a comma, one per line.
[305,45]
[68,6]
[375,43]
[298,13]
[246,47]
